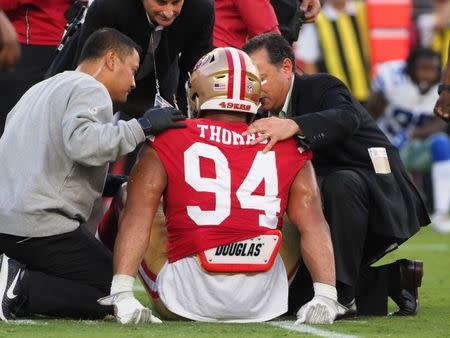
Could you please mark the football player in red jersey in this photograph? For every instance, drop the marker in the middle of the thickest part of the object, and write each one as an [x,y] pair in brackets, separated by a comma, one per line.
[217,257]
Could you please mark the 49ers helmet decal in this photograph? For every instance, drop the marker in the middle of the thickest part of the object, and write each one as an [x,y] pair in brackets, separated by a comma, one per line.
[225,79]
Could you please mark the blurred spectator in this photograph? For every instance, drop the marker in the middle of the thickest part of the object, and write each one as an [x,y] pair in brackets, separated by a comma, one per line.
[176,32]
[9,47]
[417,79]
[39,25]
[434,28]
[440,170]
[442,107]
[410,124]
[239,20]
[289,15]
[337,44]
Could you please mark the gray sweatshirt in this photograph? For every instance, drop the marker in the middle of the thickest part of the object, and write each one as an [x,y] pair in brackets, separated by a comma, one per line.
[54,154]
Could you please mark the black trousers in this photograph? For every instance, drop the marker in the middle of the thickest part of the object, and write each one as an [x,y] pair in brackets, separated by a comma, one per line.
[65,274]
[33,63]
[346,208]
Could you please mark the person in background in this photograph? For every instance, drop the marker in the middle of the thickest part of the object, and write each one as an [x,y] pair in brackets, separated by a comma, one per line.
[39,26]
[291,14]
[337,43]
[365,187]
[58,141]
[238,20]
[442,110]
[434,28]
[172,34]
[410,124]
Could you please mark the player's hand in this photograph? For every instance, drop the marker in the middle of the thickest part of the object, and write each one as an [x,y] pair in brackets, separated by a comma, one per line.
[442,107]
[323,308]
[272,129]
[128,310]
[319,310]
[157,119]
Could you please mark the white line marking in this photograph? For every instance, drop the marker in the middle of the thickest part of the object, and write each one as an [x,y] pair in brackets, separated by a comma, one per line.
[442,247]
[26,322]
[289,325]
[353,321]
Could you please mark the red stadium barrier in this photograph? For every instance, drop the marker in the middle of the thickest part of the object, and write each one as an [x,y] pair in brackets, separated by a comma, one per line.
[388,22]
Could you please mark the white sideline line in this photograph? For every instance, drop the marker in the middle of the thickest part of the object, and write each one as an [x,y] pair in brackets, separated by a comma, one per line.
[26,322]
[425,247]
[289,325]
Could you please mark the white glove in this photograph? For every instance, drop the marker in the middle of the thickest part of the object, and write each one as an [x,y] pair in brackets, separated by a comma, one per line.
[323,308]
[127,308]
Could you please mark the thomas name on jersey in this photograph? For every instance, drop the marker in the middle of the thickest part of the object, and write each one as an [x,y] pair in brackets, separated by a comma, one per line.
[225,136]
[239,249]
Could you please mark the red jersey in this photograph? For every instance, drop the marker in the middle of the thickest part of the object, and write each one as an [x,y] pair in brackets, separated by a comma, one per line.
[220,189]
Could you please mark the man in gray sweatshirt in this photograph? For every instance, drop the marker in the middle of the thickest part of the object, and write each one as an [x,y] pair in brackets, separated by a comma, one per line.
[55,150]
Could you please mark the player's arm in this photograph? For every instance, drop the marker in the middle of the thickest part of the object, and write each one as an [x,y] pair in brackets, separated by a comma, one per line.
[435,125]
[305,210]
[146,184]
[9,46]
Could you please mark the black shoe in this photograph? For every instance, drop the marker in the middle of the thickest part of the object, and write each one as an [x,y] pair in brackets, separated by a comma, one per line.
[10,280]
[350,311]
[407,295]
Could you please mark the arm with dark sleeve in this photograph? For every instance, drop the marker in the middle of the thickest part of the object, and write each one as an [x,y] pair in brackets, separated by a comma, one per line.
[305,211]
[258,16]
[339,116]
[201,43]
[147,182]
[99,14]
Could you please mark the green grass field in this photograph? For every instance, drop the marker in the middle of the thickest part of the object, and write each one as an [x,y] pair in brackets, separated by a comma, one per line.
[433,319]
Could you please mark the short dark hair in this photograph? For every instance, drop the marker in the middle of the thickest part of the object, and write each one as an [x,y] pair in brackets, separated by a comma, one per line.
[421,53]
[277,48]
[104,39]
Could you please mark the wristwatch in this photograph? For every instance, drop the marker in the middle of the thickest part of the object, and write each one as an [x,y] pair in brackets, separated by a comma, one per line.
[443,87]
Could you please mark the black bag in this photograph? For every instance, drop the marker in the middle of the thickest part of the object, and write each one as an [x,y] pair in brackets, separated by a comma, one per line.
[65,58]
